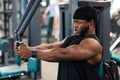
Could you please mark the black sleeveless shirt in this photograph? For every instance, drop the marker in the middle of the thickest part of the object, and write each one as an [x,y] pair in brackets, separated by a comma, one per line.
[77,70]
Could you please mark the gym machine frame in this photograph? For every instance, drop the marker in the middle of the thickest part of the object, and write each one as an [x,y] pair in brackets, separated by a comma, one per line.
[29,12]
[25,20]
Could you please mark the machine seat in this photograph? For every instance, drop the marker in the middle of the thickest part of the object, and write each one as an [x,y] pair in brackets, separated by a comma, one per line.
[11,70]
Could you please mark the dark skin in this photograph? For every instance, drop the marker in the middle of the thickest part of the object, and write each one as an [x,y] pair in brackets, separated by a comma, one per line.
[89,49]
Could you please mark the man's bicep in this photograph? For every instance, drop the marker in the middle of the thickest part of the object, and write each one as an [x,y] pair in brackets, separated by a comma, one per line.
[90,48]
[76,52]
[84,50]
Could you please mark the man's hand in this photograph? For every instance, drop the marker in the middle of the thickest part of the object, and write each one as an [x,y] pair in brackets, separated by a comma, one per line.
[23,50]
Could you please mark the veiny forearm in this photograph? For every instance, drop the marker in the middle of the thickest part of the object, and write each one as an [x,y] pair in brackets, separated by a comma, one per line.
[72,53]
[52,55]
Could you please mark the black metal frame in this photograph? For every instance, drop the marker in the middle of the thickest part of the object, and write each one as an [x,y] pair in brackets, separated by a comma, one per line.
[30,10]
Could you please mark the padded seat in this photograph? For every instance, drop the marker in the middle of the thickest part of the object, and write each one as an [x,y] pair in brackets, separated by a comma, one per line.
[33,64]
[11,70]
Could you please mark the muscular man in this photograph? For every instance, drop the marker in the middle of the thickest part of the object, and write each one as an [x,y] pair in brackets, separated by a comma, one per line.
[78,56]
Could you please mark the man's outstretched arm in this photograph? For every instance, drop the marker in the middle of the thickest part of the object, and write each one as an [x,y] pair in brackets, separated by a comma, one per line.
[87,49]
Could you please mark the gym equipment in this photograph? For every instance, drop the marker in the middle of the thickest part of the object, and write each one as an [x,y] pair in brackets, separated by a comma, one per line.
[8,73]
[115,57]
[12,71]
[5,48]
[65,20]
[115,44]
[21,29]
[115,54]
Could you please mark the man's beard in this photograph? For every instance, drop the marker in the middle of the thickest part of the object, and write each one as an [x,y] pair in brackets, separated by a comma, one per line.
[84,31]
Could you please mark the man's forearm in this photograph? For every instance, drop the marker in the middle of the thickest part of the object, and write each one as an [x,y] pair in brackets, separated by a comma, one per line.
[51,55]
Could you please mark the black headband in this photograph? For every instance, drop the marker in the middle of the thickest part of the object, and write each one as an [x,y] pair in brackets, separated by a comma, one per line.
[85,13]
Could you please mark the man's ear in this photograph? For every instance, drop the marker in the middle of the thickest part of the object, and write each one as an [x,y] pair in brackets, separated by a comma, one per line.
[91,22]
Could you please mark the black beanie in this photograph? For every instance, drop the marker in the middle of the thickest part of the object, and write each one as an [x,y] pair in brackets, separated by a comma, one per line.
[85,13]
